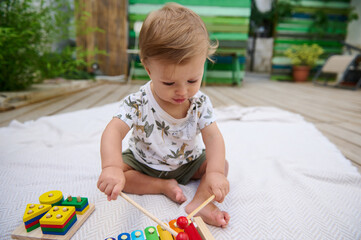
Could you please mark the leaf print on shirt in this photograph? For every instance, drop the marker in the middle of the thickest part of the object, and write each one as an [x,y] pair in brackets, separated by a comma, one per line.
[144,144]
[143,156]
[180,152]
[128,116]
[163,163]
[162,127]
[147,129]
[134,104]
[209,112]
[200,101]
[174,154]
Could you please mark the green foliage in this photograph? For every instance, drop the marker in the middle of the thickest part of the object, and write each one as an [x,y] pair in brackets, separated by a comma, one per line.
[28,29]
[352,15]
[63,64]
[279,9]
[22,37]
[304,55]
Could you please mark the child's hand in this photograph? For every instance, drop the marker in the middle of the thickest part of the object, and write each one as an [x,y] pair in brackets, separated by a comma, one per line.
[111,182]
[218,185]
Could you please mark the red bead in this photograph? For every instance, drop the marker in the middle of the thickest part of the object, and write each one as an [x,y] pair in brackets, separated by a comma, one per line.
[182,222]
[182,236]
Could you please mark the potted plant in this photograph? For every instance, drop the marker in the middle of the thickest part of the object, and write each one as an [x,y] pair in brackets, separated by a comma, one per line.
[303,58]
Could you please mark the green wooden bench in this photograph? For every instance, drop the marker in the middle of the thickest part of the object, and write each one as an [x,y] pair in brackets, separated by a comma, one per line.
[299,29]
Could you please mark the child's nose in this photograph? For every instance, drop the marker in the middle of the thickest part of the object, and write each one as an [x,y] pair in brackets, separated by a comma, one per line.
[181,91]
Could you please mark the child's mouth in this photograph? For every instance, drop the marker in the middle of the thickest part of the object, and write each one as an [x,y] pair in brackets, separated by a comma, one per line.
[179,100]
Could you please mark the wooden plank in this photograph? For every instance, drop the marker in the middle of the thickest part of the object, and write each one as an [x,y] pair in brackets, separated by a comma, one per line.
[218,99]
[114,96]
[101,37]
[88,101]
[117,37]
[352,152]
[54,107]
[112,39]
[348,136]
[350,126]
[224,3]
[203,229]
[90,23]
[6,117]
[143,9]
[307,105]
[20,231]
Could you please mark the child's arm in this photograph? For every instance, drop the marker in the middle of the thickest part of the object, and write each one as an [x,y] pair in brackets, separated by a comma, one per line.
[215,154]
[111,180]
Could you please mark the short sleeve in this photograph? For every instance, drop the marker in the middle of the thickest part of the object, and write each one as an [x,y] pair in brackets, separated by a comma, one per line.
[205,112]
[128,110]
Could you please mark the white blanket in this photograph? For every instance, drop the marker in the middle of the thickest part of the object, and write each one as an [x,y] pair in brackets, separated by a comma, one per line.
[287,180]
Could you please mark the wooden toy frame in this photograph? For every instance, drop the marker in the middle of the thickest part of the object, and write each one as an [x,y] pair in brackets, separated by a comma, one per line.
[21,233]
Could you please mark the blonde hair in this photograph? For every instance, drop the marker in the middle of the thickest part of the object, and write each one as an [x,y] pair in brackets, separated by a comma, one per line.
[174,33]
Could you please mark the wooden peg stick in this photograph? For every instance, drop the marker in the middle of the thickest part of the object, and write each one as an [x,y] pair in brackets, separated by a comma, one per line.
[151,216]
[195,211]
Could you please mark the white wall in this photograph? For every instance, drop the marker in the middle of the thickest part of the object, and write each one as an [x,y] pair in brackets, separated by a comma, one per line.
[354,27]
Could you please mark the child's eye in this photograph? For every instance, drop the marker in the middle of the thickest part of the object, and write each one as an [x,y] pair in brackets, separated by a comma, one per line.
[192,81]
[168,83]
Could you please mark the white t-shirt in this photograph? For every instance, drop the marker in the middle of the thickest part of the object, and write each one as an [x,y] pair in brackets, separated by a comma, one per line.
[158,140]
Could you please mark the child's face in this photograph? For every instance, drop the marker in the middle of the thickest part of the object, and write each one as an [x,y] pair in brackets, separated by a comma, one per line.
[176,83]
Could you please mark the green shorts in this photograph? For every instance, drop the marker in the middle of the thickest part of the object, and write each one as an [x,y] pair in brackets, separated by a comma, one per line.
[183,174]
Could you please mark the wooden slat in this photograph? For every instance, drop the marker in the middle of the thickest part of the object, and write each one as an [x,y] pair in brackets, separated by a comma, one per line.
[347,135]
[90,100]
[115,95]
[51,107]
[104,27]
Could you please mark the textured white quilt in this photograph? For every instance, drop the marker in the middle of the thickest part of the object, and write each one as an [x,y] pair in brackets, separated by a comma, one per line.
[287,180]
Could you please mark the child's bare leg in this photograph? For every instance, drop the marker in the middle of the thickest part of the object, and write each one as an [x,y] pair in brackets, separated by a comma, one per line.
[211,214]
[139,183]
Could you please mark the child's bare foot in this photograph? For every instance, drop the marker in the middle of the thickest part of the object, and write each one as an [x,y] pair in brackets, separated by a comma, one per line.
[210,214]
[173,191]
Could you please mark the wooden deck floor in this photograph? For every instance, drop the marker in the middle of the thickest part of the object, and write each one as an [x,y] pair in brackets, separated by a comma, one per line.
[335,112]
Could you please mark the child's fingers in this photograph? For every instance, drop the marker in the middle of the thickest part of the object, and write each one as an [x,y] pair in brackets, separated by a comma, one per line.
[225,190]
[109,189]
[101,186]
[116,190]
[218,195]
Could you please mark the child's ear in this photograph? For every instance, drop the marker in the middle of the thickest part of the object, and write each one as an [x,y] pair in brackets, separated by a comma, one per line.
[145,67]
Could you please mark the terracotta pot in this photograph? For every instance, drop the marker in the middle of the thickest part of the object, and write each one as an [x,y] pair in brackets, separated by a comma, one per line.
[300,73]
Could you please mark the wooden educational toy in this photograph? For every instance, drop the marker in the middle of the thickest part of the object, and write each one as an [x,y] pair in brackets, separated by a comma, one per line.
[165,232]
[56,222]
[158,233]
[203,229]
[80,203]
[52,197]
[189,228]
[151,233]
[138,235]
[124,236]
[173,225]
[32,215]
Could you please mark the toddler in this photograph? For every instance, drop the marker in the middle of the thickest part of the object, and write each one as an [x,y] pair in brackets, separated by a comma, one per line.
[168,115]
